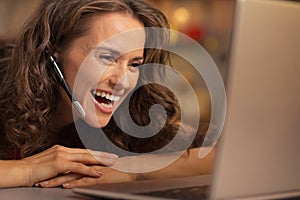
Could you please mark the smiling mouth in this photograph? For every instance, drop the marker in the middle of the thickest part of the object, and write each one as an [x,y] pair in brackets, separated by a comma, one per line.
[105,99]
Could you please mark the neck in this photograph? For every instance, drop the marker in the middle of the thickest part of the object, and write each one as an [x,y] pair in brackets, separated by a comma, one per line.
[63,115]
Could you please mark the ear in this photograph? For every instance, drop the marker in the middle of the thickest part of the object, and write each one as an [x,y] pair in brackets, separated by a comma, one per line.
[56,56]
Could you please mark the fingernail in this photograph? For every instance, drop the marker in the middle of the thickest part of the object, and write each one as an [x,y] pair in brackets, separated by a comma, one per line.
[99,172]
[66,185]
[37,185]
[45,183]
[110,161]
[112,157]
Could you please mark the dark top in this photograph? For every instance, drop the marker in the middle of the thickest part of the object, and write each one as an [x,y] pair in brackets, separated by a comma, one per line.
[67,137]
[81,135]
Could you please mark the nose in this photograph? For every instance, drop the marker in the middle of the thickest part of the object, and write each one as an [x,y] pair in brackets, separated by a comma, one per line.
[119,78]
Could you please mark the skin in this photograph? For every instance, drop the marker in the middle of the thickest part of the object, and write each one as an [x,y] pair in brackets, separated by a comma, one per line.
[111,67]
[186,165]
[51,163]
[118,78]
[61,166]
[95,67]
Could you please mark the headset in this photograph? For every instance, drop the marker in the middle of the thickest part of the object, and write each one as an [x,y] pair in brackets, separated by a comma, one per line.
[65,86]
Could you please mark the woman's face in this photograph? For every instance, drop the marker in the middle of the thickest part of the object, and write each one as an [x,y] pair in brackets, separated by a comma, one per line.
[101,68]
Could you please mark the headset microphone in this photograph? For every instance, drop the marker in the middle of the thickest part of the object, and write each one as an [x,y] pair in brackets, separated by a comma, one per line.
[65,86]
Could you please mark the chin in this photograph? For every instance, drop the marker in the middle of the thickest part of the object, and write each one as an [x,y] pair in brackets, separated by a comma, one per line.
[97,122]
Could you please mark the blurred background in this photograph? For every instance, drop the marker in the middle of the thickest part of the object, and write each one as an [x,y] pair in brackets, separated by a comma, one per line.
[209,22]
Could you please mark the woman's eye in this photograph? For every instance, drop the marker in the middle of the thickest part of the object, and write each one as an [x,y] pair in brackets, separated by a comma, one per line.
[135,65]
[107,58]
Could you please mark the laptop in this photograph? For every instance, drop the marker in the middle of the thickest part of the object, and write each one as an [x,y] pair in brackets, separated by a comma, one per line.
[258,152]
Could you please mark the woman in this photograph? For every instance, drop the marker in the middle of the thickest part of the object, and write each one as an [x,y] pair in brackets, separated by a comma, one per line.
[38,136]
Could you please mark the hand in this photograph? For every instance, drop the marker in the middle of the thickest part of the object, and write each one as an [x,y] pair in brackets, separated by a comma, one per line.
[72,180]
[61,160]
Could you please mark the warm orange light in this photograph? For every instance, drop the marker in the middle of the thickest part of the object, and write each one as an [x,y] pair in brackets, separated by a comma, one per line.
[181,15]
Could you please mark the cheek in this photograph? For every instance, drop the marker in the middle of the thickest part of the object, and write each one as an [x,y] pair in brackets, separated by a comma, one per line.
[91,73]
[88,77]
[70,77]
[71,67]
[133,79]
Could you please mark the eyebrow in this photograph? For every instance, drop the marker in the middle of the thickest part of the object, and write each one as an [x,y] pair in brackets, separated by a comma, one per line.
[114,52]
[117,53]
[138,59]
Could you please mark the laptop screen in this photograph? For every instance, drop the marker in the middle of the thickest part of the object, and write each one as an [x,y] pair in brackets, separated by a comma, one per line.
[260,144]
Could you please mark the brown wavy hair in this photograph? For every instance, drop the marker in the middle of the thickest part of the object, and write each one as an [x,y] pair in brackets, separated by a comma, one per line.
[29,92]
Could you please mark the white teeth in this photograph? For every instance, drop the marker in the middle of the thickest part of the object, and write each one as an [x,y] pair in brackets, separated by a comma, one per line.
[106,95]
[106,105]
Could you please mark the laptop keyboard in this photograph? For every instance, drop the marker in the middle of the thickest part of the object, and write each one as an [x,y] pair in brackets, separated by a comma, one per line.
[190,193]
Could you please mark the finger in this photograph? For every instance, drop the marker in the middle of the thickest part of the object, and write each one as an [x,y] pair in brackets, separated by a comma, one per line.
[98,154]
[81,182]
[89,159]
[87,156]
[77,168]
[74,154]
[105,158]
[58,181]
